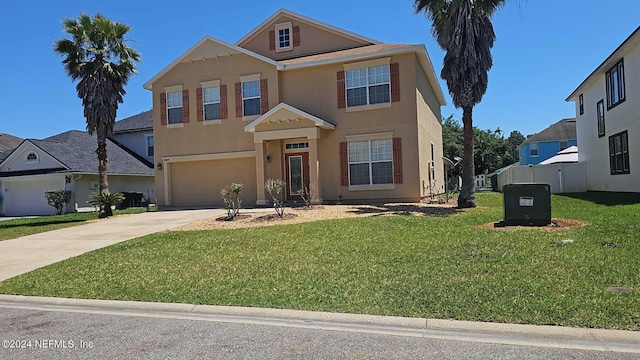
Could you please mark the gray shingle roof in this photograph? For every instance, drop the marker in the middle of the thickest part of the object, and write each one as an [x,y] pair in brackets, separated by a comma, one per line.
[564,129]
[76,149]
[142,121]
[9,142]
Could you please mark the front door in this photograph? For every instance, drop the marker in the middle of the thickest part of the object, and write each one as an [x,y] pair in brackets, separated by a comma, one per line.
[297,174]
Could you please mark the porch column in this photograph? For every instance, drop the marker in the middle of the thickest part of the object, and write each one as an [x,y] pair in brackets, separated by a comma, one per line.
[314,169]
[260,174]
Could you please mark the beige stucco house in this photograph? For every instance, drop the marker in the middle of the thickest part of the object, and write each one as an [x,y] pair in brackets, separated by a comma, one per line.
[302,101]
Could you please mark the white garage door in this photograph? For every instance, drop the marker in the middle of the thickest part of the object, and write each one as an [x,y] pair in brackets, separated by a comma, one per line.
[27,197]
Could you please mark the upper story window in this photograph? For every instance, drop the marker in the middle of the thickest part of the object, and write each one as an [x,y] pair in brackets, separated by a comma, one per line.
[581,104]
[600,114]
[533,149]
[174,107]
[370,162]
[619,153]
[150,146]
[251,98]
[368,86]
[284,37]
[563,145]
[211,102]
[614,80]
[31,157]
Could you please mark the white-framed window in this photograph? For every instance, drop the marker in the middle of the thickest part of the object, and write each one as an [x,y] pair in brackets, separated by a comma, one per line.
[533,149]
[32,157]
[295,146]
[211,102]
[368,85]
[284,37]
[149,145]
[251,98]
[174,107]
[370,162]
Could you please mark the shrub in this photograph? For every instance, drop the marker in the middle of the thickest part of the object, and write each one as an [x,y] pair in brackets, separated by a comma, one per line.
[58,199]
[309,195]
[231,197]
[104,202]
[274,188]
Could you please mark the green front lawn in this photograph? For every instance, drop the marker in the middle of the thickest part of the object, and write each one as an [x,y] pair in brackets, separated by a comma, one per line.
[11,229]
[427,266]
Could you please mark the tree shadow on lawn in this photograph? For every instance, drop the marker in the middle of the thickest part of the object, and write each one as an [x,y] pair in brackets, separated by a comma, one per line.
[39,223]
[606,198]
[403,209]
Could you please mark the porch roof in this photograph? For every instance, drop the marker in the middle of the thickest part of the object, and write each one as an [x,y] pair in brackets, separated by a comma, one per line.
[284,112]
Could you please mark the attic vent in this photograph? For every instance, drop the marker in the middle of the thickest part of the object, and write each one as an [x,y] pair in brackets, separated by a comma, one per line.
[32,157]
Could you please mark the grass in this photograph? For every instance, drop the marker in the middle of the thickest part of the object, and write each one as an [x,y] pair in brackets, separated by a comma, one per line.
[427,266]
[11,229]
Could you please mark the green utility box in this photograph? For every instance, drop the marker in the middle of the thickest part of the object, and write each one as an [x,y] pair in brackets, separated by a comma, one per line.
[527,204]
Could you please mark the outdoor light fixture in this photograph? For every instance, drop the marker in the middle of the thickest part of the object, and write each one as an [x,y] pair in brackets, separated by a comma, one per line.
[268,158]
[159,166]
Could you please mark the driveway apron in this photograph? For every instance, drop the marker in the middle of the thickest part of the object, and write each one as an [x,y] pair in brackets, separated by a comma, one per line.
[27,253]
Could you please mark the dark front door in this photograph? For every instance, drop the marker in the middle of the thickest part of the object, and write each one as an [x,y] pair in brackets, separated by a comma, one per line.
[297,174]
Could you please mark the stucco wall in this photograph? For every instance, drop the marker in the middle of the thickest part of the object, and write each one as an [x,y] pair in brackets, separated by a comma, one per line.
[625,116]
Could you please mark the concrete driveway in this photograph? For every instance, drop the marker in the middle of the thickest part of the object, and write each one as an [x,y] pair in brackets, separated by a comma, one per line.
[24,254]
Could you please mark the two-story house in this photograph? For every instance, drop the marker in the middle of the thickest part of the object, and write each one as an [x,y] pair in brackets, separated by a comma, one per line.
[135,133]
[548,142]
[303,101]
[608,119]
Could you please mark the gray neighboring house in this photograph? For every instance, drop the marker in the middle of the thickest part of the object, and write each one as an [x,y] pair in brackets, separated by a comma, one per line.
[68,161]
[136,133]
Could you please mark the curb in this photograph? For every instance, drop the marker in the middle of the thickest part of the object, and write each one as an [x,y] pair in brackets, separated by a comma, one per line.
[625,336]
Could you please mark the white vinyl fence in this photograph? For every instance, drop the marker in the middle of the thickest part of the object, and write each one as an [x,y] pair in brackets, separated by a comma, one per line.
[563,177]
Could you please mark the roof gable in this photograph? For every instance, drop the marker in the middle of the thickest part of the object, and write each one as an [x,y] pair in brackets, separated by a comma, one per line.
[208,47]
[273,19]
[20,160]
[287,112]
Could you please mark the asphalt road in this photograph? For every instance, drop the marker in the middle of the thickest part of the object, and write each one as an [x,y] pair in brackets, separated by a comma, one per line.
[81,333]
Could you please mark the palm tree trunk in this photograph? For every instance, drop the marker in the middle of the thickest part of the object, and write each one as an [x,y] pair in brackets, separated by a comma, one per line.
[467,197]
[102,171]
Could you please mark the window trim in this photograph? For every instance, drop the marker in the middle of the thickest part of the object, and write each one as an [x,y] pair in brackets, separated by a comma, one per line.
[370,186]
[531,148]
[32,161]
[147,145]
[207,85]
[618,67]
[284,26]
[613,154]
[174,89]
[245,79]
[581,104]
[600,116]
[366,65]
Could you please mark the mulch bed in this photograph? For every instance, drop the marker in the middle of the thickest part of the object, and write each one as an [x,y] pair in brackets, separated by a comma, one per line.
[273,217]
[556,225]
[237,218]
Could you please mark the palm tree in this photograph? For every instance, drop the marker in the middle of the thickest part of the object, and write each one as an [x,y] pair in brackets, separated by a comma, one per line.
[98,57]
[464,30]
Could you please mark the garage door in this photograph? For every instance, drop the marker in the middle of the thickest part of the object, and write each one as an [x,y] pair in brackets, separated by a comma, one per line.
[27,197]
[198,183]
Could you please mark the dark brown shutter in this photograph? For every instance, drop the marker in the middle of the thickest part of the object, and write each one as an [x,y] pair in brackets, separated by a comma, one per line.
[395,82]
[342,101]
[296,36]
[163,108]
[344,165]
[397,161]
[272,40]
[185,106]
[264,96]
[200,105]
[238,100]
[224,113]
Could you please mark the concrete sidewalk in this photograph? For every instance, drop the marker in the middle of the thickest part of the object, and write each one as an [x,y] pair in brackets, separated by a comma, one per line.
[24,254]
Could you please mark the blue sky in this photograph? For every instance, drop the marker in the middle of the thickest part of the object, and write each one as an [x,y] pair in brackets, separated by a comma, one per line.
[544,49]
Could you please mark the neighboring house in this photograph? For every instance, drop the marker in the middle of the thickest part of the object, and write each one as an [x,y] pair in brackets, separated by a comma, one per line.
[65,161]
[136,133]
[568,155]
[548,142]
[7,144]
[608,112]
[303,101]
